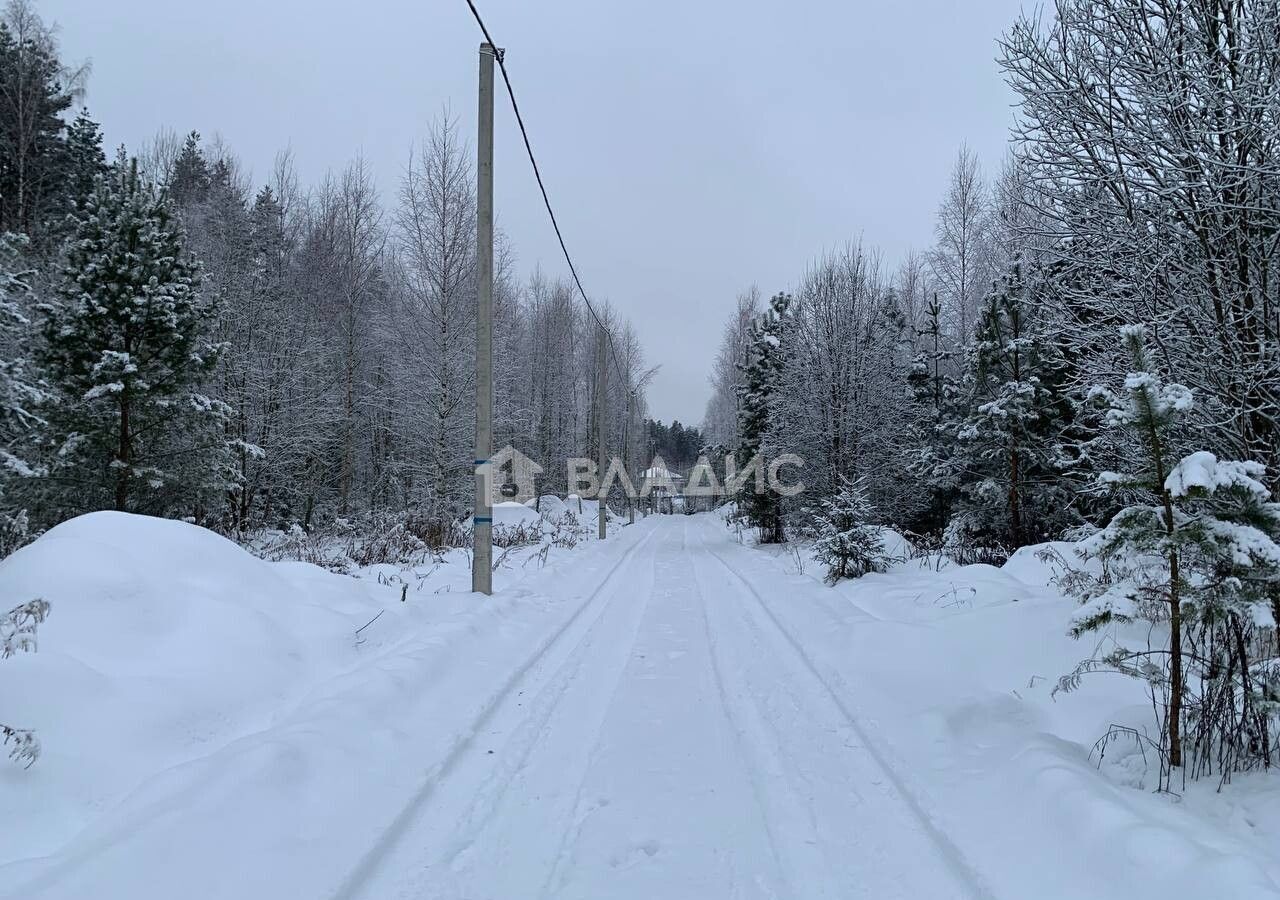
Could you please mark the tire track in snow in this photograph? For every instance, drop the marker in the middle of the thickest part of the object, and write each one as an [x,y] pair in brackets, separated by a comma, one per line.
[531,735]
[570,834]
[668,805]
[354,885]
[951,854]
[736,726]
[805,748]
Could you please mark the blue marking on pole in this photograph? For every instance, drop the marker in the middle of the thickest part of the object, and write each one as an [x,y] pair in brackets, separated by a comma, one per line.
[482,462]
[480,519]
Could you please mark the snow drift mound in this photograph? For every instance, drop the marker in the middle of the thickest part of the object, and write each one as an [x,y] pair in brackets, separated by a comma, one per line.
[513,515]
[164,642]
[544,513]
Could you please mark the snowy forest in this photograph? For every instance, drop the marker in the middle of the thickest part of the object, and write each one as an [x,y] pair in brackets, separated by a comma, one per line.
[1088,351]
[1006,627]
[304,353]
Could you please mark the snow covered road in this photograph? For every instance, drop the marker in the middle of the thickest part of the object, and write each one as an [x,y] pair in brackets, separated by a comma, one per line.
[679,745]
[669,714]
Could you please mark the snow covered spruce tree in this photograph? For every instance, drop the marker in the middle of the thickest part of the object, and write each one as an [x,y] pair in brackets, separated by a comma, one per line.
[1195,549]
[85,159]
[127,345]
[757,393]
[1008,460]
[848,543]
[933,386]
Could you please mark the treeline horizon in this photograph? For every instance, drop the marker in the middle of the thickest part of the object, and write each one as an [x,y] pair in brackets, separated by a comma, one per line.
[303,353]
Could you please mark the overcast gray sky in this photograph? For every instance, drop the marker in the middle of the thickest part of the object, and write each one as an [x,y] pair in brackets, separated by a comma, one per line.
[691,147]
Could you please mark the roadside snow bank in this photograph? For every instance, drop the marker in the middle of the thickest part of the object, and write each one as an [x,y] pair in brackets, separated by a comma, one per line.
[952,670]
[542,516]
[164,642]
[215,725]
[584,512]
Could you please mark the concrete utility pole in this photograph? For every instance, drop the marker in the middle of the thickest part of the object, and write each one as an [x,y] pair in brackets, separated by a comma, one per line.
[482,520]
[602,463]
[626,455]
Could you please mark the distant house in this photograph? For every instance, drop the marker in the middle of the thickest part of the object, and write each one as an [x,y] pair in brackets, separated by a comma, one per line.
[661,486]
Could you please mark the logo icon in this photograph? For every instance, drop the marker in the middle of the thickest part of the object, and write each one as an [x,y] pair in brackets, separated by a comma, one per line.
[511,476]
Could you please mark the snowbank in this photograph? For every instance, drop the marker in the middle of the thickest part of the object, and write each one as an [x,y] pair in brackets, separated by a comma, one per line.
[585,512]
[219,726]
[956,669]
[546,512]
[895,545]
[211,721]
[512,514]
[164,640]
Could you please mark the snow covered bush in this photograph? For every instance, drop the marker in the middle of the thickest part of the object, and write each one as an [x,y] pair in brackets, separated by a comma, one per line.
[18,628]
[1194,551]
[385,539]
[18,635]
[967,541]
[319,548]
[848,544]
[15,532]
[346,545]
[567,531]
[516,534]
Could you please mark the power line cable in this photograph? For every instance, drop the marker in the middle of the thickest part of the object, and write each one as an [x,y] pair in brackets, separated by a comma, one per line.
[546,200]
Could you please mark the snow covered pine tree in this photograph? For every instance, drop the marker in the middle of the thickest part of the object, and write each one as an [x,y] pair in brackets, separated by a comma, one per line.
[848,544]
[127,344]
[1198,550]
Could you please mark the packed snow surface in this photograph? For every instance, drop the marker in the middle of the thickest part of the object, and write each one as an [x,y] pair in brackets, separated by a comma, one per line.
[668,714]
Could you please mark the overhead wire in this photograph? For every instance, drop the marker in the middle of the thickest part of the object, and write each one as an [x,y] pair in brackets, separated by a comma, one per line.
[546,200]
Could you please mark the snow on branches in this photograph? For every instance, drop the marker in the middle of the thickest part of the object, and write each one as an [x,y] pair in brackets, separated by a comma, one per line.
[848,544]
[1194,548]
[18,635]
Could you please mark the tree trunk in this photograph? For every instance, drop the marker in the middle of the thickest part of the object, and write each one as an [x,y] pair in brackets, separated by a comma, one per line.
[1015,500]
[1175,664]
[347,471]
[124,455]
[1173,725]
